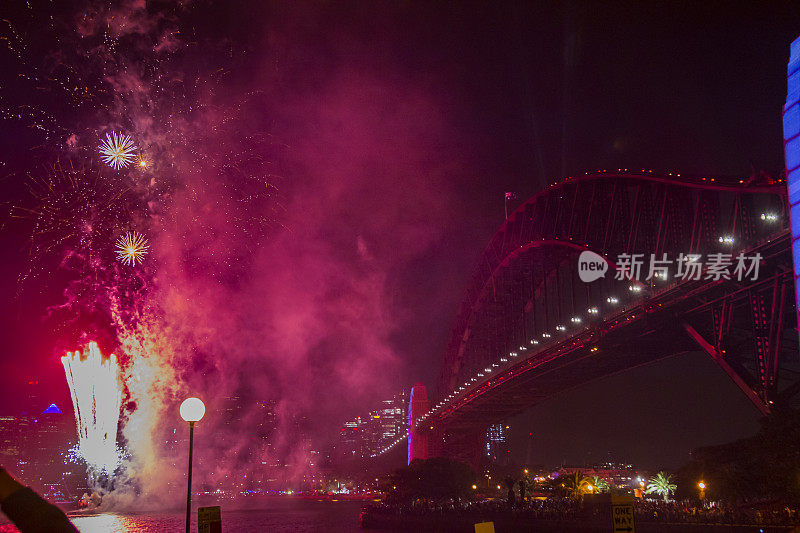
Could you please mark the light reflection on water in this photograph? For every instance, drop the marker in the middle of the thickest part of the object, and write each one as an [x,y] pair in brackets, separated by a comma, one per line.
[276,516]
[105,522]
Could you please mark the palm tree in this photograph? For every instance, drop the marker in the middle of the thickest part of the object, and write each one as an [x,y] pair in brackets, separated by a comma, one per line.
[661,485]
[577,485]
[600,484]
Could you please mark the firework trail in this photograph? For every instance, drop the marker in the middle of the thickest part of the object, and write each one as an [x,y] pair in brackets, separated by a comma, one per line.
[96,398]
[74,218]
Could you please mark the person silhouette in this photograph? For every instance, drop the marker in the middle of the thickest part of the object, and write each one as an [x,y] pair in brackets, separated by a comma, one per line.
[29,511]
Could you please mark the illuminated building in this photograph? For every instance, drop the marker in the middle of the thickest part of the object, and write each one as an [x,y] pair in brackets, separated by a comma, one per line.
[496,446]
[616,474]
[393,416]
[34,445]
[791,148]
[365,435]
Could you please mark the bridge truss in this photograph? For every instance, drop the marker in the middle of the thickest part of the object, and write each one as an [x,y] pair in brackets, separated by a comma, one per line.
[529,328]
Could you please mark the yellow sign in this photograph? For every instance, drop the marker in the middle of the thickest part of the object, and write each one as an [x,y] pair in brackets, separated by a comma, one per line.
[622,514]
[209,520]
[484,527]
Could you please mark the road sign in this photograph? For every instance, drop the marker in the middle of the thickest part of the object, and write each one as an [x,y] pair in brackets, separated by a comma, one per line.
[622,515]
[209,520]
[484,527]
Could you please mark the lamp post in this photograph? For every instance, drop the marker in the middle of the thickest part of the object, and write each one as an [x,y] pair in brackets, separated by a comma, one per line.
[192,410]
[702,487]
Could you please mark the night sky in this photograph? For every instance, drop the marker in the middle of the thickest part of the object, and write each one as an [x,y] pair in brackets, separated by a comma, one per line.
[396,128]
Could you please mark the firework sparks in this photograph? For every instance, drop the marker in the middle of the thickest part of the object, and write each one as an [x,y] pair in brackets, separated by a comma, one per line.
[131,248]
[96,397]
[117,150]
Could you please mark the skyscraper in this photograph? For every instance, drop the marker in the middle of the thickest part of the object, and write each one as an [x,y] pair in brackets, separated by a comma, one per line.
[496,445]
[366,435]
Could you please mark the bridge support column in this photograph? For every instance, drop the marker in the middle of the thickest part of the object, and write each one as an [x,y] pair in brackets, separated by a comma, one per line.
[712,351]
[417,438]
[791,148]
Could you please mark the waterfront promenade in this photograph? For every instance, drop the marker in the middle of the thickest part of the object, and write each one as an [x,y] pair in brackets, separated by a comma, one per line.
[565,515]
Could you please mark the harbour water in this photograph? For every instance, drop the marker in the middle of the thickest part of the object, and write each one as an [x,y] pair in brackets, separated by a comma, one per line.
[278,515]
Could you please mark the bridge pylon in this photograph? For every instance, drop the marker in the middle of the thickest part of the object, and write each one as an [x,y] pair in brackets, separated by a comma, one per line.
[417,437]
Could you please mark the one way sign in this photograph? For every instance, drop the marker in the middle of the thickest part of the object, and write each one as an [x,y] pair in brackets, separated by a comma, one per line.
[622,515]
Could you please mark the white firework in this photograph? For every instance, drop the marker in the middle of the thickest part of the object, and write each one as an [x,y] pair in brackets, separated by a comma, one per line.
[96,393]
[117,150]
[131,248]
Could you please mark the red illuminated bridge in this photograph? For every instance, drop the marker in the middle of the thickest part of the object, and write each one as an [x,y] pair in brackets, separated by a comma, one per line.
[529,328]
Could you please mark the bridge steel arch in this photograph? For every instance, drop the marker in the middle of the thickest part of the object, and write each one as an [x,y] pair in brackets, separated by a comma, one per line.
[528,327]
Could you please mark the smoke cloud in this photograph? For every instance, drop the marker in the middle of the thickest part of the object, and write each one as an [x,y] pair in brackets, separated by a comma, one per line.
[289,177]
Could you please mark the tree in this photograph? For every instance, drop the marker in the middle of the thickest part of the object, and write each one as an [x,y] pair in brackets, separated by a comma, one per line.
[762,467]
[577,485]
[662,485]
[600,484]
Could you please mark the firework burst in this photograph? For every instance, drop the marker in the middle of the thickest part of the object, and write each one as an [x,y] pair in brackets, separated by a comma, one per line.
[131,248]
[117,150]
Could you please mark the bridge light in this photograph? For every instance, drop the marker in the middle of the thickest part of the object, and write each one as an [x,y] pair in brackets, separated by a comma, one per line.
[546,335]
[769,217]
[726,239]
[592,310]
[561,327]
[503,360]
[635,288]
[534,341]
[576,320]
[593,349]
[612,300]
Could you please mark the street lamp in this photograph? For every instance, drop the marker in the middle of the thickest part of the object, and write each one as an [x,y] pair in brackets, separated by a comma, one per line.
[702,487]
[192,410]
